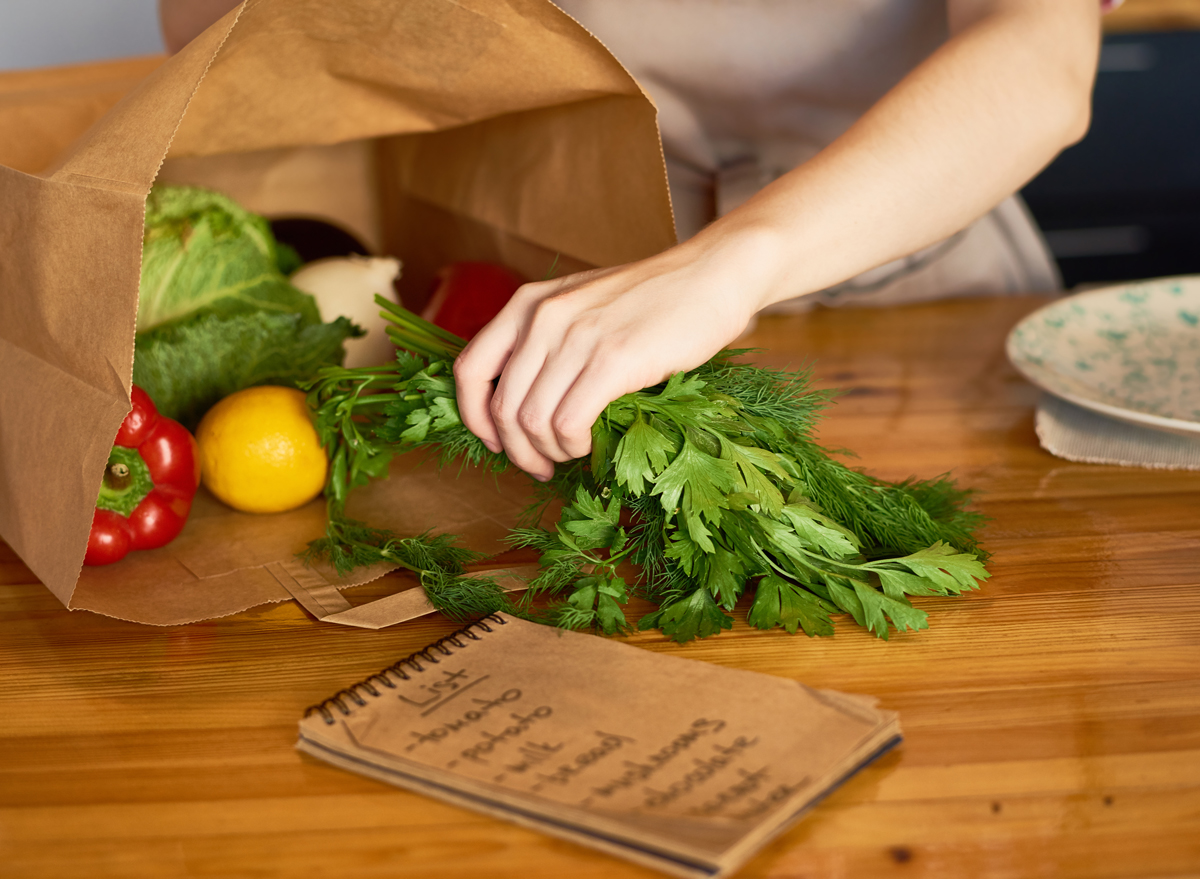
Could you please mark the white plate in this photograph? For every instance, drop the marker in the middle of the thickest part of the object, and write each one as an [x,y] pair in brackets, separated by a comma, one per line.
[1131,352]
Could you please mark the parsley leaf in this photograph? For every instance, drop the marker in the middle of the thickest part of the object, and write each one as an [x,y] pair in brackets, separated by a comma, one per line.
[420,420]
[693,616]
[725,576]
[876,605]
[641,455]
[587,519]
[779,602]
[610,595]
[820,532]
[701,480]
[945,569]
[749,479]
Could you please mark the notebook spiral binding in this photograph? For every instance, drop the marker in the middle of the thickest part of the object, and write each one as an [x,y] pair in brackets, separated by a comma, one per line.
[413,661]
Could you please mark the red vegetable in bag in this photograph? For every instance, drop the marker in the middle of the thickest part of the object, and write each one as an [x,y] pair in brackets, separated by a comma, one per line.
[469,294]
[151,478]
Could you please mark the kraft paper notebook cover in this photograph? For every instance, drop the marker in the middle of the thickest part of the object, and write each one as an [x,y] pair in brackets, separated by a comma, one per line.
[676,764]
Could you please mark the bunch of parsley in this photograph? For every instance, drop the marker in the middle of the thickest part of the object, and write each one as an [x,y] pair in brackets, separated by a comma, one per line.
[710,482]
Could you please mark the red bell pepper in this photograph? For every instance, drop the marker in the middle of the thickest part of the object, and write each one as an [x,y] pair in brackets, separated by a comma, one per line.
[152,475]
[466,295]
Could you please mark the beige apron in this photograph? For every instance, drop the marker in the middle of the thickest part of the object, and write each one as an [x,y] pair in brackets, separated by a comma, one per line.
[749,89]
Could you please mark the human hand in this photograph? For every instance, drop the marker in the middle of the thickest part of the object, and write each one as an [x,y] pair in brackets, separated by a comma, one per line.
[564,349]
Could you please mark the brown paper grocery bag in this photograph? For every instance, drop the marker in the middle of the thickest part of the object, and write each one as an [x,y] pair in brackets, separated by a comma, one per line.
[434,130]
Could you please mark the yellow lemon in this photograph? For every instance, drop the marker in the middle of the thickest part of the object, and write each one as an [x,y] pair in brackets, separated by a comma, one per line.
[259,451]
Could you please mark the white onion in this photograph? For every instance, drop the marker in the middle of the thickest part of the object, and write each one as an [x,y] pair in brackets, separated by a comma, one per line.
[345,286]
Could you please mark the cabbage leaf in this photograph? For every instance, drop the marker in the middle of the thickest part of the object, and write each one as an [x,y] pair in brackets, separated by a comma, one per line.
[187,366]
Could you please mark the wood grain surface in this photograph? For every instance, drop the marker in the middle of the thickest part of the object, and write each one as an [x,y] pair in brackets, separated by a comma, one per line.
[1052,719]
[1154,15]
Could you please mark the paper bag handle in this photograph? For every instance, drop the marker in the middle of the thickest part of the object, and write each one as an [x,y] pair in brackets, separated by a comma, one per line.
[322,599]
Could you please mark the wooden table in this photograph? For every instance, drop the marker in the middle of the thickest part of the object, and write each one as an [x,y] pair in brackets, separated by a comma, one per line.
[1154,15]
[1052,719]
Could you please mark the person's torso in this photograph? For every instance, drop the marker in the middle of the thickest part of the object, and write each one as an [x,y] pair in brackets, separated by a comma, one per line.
[775,76]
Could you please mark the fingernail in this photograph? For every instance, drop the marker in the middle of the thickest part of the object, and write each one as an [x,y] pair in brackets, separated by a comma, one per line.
[494,448]
[543,477]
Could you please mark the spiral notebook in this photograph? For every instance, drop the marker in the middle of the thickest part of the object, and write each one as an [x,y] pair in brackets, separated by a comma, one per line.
[676,764]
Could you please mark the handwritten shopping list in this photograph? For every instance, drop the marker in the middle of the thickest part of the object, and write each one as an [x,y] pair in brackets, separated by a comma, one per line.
[615,731]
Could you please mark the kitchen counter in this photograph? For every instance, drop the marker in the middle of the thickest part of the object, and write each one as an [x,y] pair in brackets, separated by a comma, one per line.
[1154,15]
[1052,718]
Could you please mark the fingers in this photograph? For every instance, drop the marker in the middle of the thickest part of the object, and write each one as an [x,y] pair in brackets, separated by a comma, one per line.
[535,413]
[546,403]
[474,370]
[564,349]
[597,385]
[542,367]
[483,360]
[519,374]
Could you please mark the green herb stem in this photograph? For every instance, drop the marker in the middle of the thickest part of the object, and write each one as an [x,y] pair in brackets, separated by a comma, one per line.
[409,329]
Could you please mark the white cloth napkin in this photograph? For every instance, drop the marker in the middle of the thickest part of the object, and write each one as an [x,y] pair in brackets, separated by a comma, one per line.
[1077,434]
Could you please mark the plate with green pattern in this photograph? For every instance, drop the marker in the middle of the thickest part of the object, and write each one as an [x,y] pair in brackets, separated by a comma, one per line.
[1131,352]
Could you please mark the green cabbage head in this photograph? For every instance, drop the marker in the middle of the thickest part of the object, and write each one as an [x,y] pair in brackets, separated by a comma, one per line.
[216,312]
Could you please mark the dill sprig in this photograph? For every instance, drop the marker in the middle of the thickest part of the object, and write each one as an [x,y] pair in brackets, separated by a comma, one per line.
[710,482]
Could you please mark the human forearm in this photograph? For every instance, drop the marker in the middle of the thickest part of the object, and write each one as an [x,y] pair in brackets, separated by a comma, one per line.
[965,129]
[961,132]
